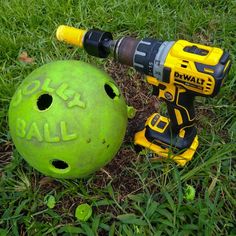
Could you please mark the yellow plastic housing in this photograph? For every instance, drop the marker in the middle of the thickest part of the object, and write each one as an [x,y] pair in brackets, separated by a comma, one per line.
[70,35]
[184,64]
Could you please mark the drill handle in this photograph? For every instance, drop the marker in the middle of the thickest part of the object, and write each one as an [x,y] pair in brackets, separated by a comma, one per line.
[179,103]
[180,109]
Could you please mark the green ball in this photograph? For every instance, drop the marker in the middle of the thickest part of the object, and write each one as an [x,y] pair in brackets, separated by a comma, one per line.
[68,119]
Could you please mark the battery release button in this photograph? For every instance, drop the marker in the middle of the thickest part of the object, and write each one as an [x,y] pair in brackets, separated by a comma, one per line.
[161,124]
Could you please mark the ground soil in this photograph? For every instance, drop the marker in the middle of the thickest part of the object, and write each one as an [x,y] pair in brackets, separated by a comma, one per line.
[138,94]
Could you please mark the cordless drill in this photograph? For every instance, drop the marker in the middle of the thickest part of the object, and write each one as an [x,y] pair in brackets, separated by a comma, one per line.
[177,70]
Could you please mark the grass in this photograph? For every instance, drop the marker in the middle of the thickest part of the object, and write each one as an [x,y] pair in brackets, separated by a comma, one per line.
[128,197]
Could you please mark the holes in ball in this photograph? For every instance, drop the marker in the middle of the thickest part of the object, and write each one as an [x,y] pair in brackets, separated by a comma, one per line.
[44,102]
[111,90]
[59,164]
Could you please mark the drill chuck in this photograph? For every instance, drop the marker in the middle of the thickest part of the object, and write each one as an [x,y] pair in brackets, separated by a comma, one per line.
[125,49]
[146,56]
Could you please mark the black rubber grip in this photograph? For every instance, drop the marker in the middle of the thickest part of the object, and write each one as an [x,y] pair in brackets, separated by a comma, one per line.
[145,54]
[183,102]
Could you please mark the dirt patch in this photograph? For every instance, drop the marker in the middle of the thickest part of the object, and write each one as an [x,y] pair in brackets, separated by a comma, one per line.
[5,154]
[120,173]
[137,93]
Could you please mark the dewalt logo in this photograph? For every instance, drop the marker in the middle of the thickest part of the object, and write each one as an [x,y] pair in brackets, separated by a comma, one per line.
[188,78]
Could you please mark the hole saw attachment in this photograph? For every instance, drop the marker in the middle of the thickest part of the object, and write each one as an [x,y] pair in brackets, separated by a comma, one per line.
[177,70]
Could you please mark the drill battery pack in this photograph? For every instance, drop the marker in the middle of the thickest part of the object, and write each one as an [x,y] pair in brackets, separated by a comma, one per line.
[158,137]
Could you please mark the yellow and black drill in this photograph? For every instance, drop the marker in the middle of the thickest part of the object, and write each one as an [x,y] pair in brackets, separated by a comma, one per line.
[178,70]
